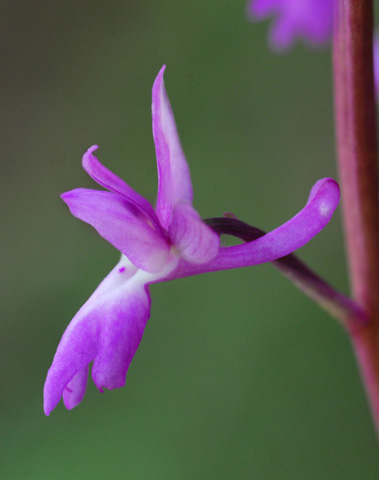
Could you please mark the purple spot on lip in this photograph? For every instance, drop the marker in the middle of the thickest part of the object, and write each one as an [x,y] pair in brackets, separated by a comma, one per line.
[122,269]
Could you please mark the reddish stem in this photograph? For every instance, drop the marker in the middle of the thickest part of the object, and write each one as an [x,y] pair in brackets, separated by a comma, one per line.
[357,155]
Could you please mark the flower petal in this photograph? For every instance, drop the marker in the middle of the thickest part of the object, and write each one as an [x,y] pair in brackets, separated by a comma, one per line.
[174,181]
[107,329]
[262,8]
[121,224]
[282,34]
[77,348]
[120,337]
[75,389]
[290,236]
[376,64]
[115,184]
[311,20]
[196,242]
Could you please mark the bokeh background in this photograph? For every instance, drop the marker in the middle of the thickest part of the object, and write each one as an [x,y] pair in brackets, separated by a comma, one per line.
[238,375]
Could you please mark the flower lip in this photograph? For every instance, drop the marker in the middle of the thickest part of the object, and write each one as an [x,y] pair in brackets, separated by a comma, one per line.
[106,330]
[74,391]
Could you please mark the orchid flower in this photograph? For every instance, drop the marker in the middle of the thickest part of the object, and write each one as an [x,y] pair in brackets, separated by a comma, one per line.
[156,245]
[376,64]
[311,20]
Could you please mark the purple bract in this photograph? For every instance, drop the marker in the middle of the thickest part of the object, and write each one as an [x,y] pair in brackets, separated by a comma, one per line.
[311,20]
[168,242]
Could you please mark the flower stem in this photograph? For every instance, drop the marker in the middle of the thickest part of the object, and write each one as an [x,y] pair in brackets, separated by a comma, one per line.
[334,302]
[355,118]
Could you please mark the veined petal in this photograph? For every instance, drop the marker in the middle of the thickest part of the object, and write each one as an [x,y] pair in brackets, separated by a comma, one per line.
[290,236]
[107,329]
[174,181]
[121,224]
[195,241]
[115,184]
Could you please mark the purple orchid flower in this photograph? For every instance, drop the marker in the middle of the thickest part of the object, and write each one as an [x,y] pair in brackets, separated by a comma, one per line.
[311,20]
[376,64]
[156,245]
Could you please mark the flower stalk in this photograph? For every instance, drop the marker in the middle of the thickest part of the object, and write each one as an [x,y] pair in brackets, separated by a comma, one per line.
[334,302]
[355,118]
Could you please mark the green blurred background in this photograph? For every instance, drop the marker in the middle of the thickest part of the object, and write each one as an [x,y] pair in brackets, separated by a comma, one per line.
[238,375]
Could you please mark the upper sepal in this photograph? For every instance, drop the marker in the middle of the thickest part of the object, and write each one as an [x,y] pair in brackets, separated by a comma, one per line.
[174,181]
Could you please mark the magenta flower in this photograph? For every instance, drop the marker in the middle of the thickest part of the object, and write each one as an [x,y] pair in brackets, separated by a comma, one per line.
[311,20]
[376,64]
[156,245]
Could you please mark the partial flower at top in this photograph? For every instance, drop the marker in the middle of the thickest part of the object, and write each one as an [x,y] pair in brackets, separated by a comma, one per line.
[310,20]
[165,243]
[376,64]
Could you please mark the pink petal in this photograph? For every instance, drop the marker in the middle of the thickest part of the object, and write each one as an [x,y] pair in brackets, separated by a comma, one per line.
[107,329]
[311,20]
[77,348]
[282,34]
[115,184]
[195,241]
[262,8]
[174,181]
[121,334]
[75,389]
[376,64]
[121,224]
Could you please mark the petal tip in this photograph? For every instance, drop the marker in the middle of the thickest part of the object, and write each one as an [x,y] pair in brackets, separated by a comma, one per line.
[48,405]
[92,149]
[161,71]
[325,186]
[332,197]
[67,196]
[158,82]
[64,196]
[74,391]
[86,159]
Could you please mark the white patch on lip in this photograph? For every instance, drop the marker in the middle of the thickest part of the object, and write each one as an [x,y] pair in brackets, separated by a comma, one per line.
[324,209]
